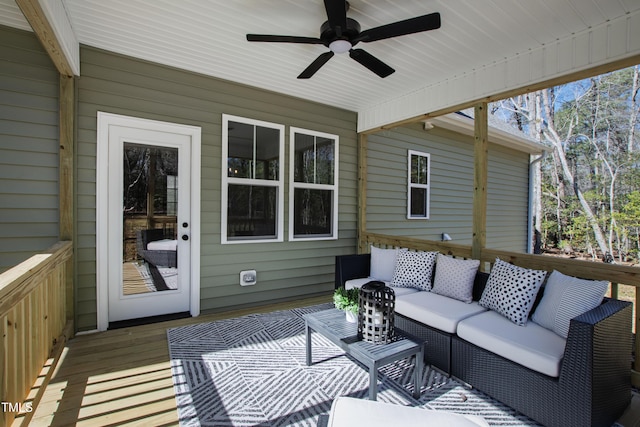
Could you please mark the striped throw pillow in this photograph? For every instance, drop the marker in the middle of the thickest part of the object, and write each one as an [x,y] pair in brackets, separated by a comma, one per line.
[566,297]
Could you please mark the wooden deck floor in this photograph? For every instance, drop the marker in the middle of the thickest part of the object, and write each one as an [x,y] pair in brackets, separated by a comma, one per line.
[123,377]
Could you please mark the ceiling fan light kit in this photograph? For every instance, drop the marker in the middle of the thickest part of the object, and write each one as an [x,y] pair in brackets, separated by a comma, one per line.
[340,34]
[340,46]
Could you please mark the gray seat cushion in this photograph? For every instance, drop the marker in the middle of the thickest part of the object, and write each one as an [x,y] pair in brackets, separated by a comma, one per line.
[435,310]
[531,345]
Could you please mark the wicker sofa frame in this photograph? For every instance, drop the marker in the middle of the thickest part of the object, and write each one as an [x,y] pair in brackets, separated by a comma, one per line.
[594,385]
[158,258]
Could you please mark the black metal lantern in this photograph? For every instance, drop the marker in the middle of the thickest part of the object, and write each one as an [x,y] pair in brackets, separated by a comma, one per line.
[376,306]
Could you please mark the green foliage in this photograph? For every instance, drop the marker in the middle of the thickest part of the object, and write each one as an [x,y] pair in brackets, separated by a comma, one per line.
[346,299]
[589,191]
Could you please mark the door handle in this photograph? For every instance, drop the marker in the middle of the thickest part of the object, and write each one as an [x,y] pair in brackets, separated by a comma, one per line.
[185,237]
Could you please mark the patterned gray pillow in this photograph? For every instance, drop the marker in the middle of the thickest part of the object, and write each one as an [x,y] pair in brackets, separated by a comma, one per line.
[414,270]
[566,297]
[455,277]
[511,290]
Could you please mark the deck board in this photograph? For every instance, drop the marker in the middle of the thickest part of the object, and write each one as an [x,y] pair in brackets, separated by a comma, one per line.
[123,377]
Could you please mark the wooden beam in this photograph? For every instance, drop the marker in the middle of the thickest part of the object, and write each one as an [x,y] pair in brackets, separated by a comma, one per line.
[362,190]
[66,187]
[67,113]
[36,17]
[480,165]
[572,77]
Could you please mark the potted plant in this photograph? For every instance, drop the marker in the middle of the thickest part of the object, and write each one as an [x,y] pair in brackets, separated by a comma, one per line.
[347,301]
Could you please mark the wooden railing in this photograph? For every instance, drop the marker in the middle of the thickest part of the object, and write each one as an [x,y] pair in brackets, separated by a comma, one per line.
[34,325]
[614,273]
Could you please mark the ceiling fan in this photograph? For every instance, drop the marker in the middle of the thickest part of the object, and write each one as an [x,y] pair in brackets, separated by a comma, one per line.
[340,34]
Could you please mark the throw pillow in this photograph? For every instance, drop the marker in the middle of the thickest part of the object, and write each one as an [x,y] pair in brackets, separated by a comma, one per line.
[414,270]
[566,297]
[455,277]
[383,263]
[511,290]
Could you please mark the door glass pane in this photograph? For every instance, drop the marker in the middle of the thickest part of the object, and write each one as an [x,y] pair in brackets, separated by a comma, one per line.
[150,208]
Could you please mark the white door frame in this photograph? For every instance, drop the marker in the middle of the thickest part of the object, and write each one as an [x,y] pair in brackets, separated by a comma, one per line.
[105,120]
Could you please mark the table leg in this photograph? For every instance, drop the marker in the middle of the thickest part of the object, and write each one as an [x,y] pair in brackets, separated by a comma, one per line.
[373,381]
[308,333]
[417,374]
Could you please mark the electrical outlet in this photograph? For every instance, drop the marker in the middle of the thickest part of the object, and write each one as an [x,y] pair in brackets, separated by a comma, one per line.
[248,278]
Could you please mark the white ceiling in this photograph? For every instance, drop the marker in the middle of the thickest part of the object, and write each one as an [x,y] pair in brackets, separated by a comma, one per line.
[209,37]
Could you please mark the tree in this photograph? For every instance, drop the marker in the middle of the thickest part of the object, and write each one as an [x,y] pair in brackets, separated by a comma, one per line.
[592,126]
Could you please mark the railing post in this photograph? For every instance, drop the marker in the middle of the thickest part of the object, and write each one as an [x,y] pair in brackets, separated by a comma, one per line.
[480,165]
[635,372]
[362,191]
[614,290]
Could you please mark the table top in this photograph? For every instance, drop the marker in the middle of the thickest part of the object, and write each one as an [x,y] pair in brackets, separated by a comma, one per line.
[333,325]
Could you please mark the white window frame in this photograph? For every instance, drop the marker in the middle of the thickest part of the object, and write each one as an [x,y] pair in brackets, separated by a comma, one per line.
[293,185]
[226,181]
[411,185]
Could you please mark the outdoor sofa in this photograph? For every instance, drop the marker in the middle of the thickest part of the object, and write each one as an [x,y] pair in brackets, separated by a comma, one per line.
[155,248]
[581,381]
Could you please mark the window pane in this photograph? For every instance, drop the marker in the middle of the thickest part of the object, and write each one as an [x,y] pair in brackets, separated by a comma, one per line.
[267,153]
[313,212]
[325,160]
[240,150]
[419,170]
[304,158]
[251,212]
[418,202]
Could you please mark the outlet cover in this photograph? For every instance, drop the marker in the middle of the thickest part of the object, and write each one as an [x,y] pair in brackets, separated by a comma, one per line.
[248,278]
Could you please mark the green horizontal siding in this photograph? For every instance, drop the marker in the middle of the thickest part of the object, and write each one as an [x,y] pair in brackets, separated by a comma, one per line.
[451,188]
[122,85]
[28,148]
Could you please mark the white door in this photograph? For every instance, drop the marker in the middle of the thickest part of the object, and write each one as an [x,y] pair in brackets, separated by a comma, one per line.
[148,229]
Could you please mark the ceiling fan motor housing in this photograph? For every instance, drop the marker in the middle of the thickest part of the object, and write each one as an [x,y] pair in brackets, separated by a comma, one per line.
[328,34]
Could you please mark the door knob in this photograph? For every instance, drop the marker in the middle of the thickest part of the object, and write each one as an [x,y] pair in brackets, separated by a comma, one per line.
[185,237]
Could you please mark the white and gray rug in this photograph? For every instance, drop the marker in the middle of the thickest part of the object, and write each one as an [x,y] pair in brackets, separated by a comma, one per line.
[251,371]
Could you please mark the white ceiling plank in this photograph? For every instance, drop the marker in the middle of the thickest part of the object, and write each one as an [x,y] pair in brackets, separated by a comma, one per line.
[522,41]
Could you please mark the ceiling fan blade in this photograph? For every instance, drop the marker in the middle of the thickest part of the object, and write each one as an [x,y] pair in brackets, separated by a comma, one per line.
[401,28]
[336,14]
[315,65]
[371,62]
[282,39]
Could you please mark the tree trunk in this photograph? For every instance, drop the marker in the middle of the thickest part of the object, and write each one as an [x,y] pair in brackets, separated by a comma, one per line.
[552,135]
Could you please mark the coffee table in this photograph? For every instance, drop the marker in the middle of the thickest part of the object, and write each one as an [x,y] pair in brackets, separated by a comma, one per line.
[332,325]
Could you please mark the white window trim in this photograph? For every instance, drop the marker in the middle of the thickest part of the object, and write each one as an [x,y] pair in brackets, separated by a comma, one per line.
[411,185]
[293,185]
[226,180]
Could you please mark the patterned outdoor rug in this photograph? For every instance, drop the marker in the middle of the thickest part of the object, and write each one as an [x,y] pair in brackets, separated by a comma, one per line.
[251,371]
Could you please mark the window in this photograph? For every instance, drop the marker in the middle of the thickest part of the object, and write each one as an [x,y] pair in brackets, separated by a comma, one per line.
[252,182]
[313,193]
[418,186]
